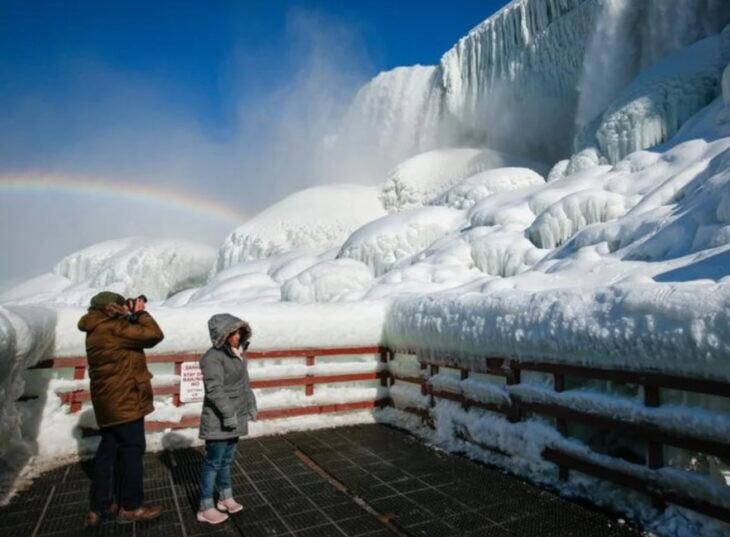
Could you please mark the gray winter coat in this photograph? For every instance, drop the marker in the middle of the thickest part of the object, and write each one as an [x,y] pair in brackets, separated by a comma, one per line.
[228,394]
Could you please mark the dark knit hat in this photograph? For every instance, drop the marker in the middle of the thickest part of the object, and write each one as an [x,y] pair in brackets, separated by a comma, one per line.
[100,300]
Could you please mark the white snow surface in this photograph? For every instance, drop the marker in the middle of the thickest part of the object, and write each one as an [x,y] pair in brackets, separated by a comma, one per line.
[314,220]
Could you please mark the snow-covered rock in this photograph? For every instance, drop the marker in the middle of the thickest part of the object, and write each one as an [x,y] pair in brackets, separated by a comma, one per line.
[380,244]
[423,178]
[315,220]
[477,187]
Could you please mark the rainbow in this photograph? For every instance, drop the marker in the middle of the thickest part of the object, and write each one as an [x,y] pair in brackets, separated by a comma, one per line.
[45,182]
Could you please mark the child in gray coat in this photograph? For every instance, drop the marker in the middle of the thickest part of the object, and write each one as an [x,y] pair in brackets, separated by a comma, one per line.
[228,405]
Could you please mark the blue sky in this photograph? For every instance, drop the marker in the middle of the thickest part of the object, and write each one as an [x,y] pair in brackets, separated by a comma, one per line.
[191,52]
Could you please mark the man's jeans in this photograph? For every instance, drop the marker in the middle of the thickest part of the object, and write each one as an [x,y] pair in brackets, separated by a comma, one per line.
[216,471]
[124,443]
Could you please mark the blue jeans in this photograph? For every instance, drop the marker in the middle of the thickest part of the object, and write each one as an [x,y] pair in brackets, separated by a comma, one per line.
[216,471]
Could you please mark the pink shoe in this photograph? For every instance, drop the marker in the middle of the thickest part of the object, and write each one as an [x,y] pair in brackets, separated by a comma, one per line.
[211,516]
[230,505]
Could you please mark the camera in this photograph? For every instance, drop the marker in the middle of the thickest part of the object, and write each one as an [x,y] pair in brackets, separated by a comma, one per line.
[131,302]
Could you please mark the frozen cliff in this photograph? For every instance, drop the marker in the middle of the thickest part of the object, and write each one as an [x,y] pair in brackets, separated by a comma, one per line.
[532,76]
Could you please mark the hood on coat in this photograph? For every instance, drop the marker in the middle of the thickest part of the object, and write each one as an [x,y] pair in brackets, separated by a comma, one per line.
[95,317]
[223,325]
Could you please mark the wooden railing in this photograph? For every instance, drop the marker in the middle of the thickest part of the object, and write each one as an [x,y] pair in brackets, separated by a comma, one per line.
[654,435]
[514,408]
[75,398]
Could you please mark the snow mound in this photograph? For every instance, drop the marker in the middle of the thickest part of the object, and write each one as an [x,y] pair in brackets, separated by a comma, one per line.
[154,267]
[329,281]
[421,179]
[250,287]
[382,243]
[477,187]
[315,219]
[560,221]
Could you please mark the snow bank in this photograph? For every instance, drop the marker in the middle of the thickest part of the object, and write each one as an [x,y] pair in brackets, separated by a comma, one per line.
[315,220]
[154,267]
[423,178]
[26,337]
[659,327]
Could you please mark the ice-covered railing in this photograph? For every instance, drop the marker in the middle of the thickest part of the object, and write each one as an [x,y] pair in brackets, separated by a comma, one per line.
[532,426]
[308,375]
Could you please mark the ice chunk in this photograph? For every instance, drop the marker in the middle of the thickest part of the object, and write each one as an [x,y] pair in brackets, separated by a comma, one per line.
[315,219]
[477,187]
[391,238]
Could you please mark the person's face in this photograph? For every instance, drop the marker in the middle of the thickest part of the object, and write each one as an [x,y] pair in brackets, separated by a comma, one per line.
[234,340]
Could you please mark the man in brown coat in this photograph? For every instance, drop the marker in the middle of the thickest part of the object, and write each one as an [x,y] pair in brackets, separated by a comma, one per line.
[121,393]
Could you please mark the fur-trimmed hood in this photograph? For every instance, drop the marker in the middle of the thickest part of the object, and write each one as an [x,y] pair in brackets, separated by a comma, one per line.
[223,325]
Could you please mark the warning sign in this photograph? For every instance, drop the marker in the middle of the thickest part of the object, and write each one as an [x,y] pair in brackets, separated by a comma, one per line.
[191,383]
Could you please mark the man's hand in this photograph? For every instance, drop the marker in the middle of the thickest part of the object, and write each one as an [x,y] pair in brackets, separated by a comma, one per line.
[139,304]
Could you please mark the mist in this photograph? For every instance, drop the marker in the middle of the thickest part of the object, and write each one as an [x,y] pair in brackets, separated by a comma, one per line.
[116,127]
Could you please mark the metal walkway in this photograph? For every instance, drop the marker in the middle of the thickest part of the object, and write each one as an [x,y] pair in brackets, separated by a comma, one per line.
[368,480]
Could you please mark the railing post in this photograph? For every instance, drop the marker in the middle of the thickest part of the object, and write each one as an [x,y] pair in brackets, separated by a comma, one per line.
[309,388]
[79,371]
[433,370]
[423,367]
[464,400]
[176,395]
[654,450]
[514,376]
[385,378]
[561,424]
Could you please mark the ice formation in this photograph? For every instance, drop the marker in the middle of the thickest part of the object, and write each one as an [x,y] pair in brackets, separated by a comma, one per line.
[658,102]
[523,80]
[132,266]
[425,177]
[337,280]
[477,187]
[383,242]
[315,219]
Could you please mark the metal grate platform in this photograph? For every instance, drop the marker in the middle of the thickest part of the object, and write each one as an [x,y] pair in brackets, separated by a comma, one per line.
[368,481]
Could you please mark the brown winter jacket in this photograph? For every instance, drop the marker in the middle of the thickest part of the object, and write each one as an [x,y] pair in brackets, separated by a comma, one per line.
[121,390]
